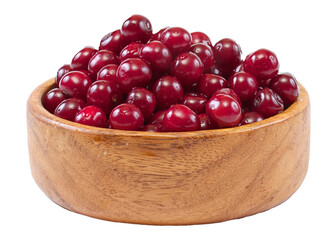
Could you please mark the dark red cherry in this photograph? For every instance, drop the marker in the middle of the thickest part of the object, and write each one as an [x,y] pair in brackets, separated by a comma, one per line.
[177,39]
[215,70]
[100,59]
[188,68]
[133,72]
[227,54]
[244,84]
[153,128]
[262,64]
[209,83]
[75,84]
[69,108]
[205,53]
[158,55]
[144,100]
[180,118]
[251,117]
[200,37]
[207,122]
[61,72]
[224,110]
[112,42]
[108,72]
[105,95]
[137,28]
[132,50]
[157,117]
[286,86]
[156,36]
[195,101]
[91,116]
[167,90]
[81,59]
[53,98]
[228,91]
[126,117]
[267,102]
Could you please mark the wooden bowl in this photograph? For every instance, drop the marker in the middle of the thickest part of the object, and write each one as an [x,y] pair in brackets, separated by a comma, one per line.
[168,178]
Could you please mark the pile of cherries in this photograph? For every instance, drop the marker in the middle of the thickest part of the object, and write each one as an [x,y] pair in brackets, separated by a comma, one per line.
[169,81]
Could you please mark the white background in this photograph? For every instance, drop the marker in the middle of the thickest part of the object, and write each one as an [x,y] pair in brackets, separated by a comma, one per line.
[37,37]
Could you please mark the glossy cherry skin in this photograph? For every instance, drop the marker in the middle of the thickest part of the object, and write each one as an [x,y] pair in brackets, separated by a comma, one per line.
[158,117]
[75,84]
[209,83]
[112,42]
[177,39]
[144,100]
[200,37]
[286,86]
[69,108]
[133,72]
[180,118]
[158,55]
[92,116]
[267,102]
[100,59]
[53,98]
[228,91]
[105,95]
[132,50]
[126,117]
[188,68]
[205,53]
[227,54]
[153,128]
[81,59]
[156,36]
[262,64]
[244,84]
[207,122]
[224,110]
[108,72]
[251,117]
[167,90]
[195,101]
[214,70]
[61,72]
[137,28]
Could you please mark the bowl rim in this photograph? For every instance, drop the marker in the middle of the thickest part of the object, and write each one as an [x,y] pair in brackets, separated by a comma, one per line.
[35,107]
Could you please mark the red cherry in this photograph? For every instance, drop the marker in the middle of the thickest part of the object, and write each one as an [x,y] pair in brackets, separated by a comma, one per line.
[207,122]
[126,117]
[75,84]
[157,35]
[244,85]
[262,64]
[105,95]
[195,101]
[267,102]
[200,37]
[205,53]
[227,54]
[167,90]
[158,117]
[53,98]
[137,28]
[69,108]
[215,70]
[100,59]
[188,68]
[286,86]
[251,117]
[180,118]
[61,72]
[132,50]
[112,42]
[81,59]
[91,116]
[153,128]
[133,72]
[177,39]
[224,110]
[108,72]
[158,55]
[144,100]
[228,91]
[209,83]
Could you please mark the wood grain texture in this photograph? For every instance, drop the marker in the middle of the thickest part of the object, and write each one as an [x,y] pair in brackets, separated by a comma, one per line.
[168,178]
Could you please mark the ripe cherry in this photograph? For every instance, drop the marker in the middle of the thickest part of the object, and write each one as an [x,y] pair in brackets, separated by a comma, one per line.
[205,53]
[91,116]
[126,117]
[209,83]
[200,37]
[153,128]
[244,84]
[158,117]
[100,59]
[137,28]
[143,99]
[69,108]
[53,98]
[158,55]
[132,50]
[228,91]
[177,39]
[156,36]
[81,59]
[75,84]
[195,101]
[112,42]
[267,102]
[207,122]
[61,72]
[108,72]
[251,117]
